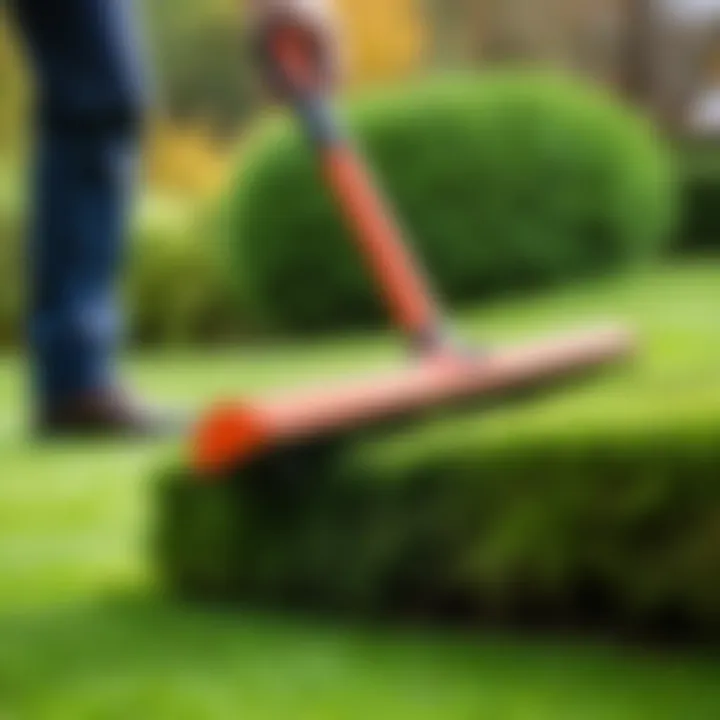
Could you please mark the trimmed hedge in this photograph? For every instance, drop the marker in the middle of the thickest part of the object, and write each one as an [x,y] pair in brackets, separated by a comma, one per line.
[507,181]
[619,525]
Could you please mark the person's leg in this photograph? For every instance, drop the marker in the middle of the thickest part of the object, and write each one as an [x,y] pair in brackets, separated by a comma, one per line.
[91,96]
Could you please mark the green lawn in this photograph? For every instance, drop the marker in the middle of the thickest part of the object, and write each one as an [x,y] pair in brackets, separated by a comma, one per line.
[84,633]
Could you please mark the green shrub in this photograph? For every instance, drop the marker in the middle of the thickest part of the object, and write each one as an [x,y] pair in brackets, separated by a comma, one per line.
[618,524]
[178,289]
[507,181]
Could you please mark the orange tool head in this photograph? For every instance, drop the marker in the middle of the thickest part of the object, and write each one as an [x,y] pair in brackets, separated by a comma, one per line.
[234,434]
[228,433]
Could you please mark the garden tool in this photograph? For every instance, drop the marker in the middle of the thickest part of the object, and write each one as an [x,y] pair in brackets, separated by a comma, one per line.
[440,372]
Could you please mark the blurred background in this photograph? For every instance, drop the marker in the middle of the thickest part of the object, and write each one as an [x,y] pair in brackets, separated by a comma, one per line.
[660,56]
[555,161]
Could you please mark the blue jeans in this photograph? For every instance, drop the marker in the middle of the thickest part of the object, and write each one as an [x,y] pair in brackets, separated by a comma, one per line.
[91,95]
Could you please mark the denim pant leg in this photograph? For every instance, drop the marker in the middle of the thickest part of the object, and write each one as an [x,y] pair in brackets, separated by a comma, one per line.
[91,94]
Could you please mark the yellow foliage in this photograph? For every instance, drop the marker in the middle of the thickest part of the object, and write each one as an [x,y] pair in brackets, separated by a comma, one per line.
[184,159]
[384,38]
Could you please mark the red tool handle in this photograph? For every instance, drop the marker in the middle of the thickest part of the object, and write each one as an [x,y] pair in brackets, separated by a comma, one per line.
[378,235]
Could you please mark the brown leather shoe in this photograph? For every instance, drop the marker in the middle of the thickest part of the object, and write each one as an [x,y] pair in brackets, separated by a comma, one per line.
[107,414]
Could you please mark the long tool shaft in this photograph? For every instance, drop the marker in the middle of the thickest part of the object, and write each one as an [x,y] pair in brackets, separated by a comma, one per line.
[378,235]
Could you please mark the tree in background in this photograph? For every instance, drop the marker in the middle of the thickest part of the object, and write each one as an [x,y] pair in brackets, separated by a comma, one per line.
[611,41]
